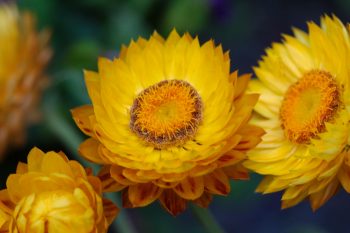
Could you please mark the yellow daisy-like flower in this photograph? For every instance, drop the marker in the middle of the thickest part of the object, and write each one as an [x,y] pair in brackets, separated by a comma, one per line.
[304,108]
[23,55]
[168,121]
[52,194]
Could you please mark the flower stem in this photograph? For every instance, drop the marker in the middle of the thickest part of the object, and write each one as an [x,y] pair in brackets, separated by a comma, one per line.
[123,223]
[206,218]
[71,138]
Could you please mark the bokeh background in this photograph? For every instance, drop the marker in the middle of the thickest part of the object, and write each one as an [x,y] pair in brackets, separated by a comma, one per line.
[82,30]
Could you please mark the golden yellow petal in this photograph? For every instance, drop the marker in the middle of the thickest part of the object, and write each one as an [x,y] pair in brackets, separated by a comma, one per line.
[173,38]
[292,202]
[35,158]
[134,176]
[117,174]
[302,36]
[277,86]
[53,163]
[269,102]
[321,197]
[5,210]
[21,168]
[92,80]
[299,53]
[89,150]
[12,183]
[264,183]
[81,116]
[294,192]
[78,170]
[241,85]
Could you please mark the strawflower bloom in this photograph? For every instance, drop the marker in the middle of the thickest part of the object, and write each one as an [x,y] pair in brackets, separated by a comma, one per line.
[168,121]
[24,54]
[52,194]
[304,108]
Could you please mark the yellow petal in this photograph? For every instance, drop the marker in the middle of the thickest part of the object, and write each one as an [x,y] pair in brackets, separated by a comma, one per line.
[319,198]
[81,116]
[108,183]
[35,158]
[117,175]
[89,149]
[53,163]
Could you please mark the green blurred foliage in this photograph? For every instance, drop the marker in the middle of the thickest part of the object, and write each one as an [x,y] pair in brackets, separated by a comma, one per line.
[186,15]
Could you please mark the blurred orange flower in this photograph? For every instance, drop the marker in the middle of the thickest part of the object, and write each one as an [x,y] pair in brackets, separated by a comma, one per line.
[24,53]
[53,194]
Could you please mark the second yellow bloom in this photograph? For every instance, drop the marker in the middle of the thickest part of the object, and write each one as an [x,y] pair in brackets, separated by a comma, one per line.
[305,110]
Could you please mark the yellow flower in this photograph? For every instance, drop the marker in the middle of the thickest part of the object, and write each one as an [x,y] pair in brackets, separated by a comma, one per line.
[23,55]
[168,121]
[304,108]
[55,195]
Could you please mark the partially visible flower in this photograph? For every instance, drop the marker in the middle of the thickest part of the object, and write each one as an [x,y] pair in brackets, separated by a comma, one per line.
[52,194]
[305,110]
[24,53]
[168,121]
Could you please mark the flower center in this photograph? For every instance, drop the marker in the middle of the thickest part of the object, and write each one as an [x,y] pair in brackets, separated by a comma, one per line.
[167,113]
[308,105]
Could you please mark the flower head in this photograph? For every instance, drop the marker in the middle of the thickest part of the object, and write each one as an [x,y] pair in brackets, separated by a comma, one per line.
[54,194]
[304,108]
[168,121]
[23,55]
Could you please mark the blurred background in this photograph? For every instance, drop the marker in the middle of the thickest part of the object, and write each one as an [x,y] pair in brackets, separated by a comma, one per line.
[82,30]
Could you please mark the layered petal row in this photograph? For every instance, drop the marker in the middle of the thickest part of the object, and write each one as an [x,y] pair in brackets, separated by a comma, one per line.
[168,122]
[53,194]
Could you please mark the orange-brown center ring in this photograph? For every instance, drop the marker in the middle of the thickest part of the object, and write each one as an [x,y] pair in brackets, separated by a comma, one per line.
[166,114]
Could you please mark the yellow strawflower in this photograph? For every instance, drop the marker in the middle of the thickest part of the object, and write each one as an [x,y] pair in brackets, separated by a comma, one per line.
[24,53]
[52,194]
[168,121]
[304,108]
